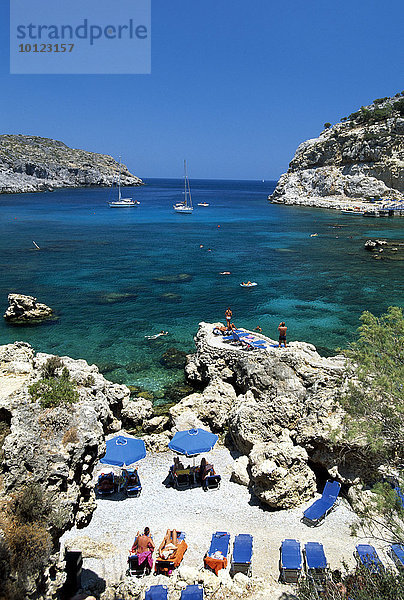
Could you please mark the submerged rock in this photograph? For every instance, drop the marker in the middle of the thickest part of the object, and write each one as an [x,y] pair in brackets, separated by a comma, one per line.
[173,359]
[24,310]
[180,278]
[115,298]
[171,298]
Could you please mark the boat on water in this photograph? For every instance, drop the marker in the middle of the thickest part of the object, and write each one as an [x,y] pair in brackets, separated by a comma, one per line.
[352,211]
[203,204]
[185,207]
[122,202]
[249,284]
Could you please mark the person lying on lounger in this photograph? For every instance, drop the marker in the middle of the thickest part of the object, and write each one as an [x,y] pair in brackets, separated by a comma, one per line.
[169,545]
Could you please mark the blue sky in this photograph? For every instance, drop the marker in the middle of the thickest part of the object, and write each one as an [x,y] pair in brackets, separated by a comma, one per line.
[235,85]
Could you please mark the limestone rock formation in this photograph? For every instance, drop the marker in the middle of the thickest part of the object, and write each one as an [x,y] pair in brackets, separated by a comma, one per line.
[360,159]
[280,410]
[280,474]
[55,448]
[25,309]
[34,164]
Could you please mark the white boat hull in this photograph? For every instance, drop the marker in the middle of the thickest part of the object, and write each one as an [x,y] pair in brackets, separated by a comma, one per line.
[186,210]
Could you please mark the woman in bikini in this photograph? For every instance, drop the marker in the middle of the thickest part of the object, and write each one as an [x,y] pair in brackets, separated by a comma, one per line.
[169,544]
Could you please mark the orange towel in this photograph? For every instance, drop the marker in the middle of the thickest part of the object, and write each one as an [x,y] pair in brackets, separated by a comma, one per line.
[176,557]
[215,563]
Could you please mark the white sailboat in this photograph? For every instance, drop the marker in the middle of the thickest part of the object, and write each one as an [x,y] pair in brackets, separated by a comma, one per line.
[122,202]
[185,207]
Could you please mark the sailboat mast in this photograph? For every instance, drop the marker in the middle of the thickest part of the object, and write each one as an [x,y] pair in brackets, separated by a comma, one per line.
[185,182]
[119,180]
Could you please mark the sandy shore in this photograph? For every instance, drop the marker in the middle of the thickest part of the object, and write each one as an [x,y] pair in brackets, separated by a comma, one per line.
[231,508]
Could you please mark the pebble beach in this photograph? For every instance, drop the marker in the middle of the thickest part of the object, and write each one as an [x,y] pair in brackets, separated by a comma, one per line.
[106,541]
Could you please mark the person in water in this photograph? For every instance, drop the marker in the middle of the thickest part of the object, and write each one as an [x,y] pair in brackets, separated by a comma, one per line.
[228,314]
[156,335]
[282,333]
[259,329]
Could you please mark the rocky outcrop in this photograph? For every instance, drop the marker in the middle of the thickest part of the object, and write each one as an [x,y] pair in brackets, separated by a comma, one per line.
[34,164]
[55,448]
[358,159]
[385,249]
[24,310]
[279,408]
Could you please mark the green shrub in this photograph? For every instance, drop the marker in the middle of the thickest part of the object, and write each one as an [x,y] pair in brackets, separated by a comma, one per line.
[359,584]
[54,391]
[375,404]
[327,125]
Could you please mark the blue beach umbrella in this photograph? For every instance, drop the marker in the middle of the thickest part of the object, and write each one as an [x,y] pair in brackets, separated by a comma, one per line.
[193,441]
[123,451]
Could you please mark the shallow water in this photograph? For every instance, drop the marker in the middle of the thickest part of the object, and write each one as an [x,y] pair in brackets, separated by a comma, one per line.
[99,268]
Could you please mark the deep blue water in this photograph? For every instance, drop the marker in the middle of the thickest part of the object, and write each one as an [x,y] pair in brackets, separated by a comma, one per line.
[318,285]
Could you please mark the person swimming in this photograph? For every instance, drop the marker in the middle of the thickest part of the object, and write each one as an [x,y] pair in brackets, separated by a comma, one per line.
[156,335]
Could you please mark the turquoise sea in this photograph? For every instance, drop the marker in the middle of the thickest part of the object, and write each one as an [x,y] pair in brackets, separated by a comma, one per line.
[99,268]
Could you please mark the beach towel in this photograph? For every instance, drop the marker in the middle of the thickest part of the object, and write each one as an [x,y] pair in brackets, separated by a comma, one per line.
[147,555]
[215,563]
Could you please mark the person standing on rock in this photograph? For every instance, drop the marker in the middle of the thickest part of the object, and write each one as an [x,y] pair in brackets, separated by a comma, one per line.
[282,333]
[228,314]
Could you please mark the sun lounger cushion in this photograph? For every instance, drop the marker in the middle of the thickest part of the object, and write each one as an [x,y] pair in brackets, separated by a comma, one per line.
[219,543]
[219,547]
[192,592]
[157,592]
[243,548]
[397,554]
[331,489]
[400,494]
[290,555]
[315,557]
[320,507]
[367,555]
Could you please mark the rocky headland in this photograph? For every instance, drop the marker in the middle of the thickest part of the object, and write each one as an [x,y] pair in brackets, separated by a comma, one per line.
[34,164]
[276,411]
[350,163]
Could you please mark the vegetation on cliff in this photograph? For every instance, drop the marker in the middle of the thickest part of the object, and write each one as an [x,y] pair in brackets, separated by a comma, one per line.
[375,401]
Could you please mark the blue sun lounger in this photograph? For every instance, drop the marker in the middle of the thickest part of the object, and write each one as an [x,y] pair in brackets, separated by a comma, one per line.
[290,561]
[133,485]
[400,494]
[192,592]
[316,565]
[242,554]
[367,556]
[157,592]
[313,515]
[396,553]
[219,543]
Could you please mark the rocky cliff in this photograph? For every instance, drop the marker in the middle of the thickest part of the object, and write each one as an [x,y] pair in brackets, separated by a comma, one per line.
[280,410]
[359,159]
[35,164]
[48,452]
